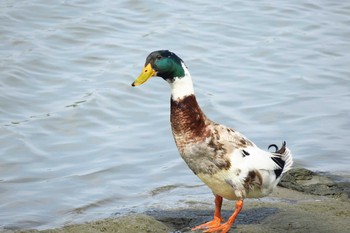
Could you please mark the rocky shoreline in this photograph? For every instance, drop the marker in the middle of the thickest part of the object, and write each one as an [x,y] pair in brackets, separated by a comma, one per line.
[305,202]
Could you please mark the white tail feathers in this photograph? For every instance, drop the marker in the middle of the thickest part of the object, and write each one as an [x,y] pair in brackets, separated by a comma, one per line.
[286,156]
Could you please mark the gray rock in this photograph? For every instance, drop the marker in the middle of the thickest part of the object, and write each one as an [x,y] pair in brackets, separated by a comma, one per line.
[303,180]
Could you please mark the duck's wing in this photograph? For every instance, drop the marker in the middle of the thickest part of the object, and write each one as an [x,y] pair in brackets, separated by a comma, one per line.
[242,150]
[244,155]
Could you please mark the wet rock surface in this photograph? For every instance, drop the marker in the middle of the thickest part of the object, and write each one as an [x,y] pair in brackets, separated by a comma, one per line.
[303,180]
[185,219]
[306,202]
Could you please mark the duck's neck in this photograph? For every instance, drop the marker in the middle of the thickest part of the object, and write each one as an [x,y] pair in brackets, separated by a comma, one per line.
[181,87]
[188,122]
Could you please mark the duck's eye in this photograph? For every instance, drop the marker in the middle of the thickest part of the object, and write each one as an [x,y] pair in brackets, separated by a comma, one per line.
[159,57]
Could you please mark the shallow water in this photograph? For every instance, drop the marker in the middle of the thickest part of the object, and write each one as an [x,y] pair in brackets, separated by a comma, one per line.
[79,143]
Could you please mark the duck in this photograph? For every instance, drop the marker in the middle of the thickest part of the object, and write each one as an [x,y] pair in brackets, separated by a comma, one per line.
[231,165]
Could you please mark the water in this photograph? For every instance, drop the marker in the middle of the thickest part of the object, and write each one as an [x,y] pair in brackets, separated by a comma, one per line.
[79,143]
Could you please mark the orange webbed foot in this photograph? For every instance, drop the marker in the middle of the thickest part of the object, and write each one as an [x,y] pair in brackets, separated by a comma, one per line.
[215,226]
[212,224]
[223,228]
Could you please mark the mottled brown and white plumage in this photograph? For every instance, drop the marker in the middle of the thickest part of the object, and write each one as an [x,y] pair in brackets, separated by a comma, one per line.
[232,166]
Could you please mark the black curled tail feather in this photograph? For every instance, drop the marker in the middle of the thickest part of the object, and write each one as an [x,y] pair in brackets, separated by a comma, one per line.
[277,150]
[278,158]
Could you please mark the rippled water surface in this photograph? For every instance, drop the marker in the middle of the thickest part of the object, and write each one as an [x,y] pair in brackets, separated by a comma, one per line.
[79,143]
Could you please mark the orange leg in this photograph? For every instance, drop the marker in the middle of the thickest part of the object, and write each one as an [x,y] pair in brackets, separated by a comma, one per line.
[217,216]
[225,227]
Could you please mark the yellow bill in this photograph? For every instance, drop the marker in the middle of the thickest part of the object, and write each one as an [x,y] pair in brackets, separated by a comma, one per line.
[146,73]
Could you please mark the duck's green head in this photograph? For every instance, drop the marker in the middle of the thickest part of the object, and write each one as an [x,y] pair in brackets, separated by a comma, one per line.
[162,63]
